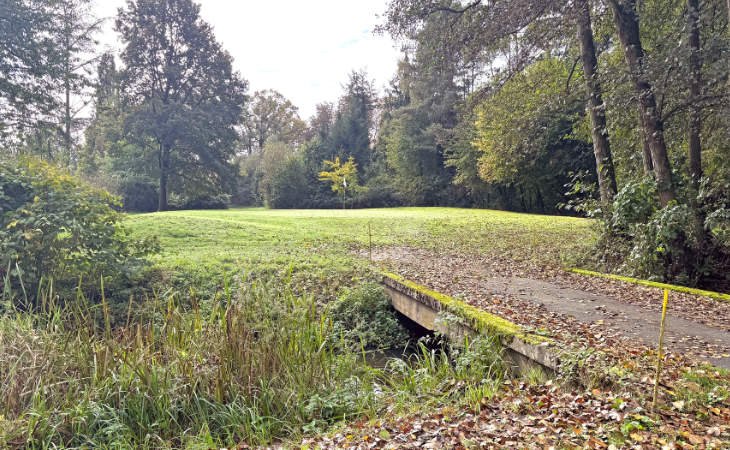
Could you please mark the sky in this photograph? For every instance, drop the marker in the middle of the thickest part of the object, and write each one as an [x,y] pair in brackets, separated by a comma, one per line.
[304,49]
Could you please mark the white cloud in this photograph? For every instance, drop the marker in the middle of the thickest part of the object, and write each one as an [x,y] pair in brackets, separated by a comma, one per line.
[303,49]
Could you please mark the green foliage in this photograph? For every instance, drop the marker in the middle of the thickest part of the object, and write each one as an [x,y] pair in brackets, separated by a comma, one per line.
[582,195]
[30,65]
[288,187]
[279,175]
[511,125]
[269,115]
[669,247]
[54,228]
[138,193]
[714,198]
[349,135]
[524,133]
[201,199]
[190,111]
[415,158]
[342,176]
[364,316]
[680,243]
[634,204]
[258,366]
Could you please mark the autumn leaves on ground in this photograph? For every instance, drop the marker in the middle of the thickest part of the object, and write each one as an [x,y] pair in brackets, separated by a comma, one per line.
[600,398]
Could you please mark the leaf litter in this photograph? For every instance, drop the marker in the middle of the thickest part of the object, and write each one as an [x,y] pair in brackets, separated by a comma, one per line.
[608,405]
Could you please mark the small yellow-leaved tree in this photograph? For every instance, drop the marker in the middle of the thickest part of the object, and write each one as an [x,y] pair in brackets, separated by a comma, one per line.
[343,177]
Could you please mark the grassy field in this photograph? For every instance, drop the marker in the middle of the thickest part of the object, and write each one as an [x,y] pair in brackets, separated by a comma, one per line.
[319,243]
[259,362]
[253,363]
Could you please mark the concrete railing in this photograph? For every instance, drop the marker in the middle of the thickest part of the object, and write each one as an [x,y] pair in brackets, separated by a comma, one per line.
[428,308]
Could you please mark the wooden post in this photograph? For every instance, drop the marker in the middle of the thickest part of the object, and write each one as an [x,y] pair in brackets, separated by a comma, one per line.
[370,242]
[659,351]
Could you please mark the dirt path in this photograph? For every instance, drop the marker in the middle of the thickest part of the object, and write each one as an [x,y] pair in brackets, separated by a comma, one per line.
[570,304]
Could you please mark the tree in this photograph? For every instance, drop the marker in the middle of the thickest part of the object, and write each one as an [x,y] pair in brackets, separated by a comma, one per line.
[273,156]
[695,91]
[105,126]
[270,115]
[422,107]
[185,95]
[525,134]
[283,180]
[30,65]
[320,124]
[343,177]
[350,132]
[596,107]
[627,24]
[75,29]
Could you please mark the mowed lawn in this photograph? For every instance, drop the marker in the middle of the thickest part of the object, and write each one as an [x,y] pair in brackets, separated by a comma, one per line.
[219,242]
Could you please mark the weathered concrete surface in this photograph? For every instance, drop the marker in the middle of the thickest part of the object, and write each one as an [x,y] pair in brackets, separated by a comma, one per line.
[425,309]
[552,299]
[586,307]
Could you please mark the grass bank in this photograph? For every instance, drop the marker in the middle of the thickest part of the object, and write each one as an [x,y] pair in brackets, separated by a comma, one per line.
[259,367]
[318,245]
[239,340]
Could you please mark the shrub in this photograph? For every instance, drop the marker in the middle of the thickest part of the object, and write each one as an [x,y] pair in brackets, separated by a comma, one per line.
[634,204]
[365,315]
[206,201]
[139,194]
[55,228]
[287,187]
[684,243]
[669,247]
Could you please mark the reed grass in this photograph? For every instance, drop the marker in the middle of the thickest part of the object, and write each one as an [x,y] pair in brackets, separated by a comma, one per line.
[260,365]
[255,365]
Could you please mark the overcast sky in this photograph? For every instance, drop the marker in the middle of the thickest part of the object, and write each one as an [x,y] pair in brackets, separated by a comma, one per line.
[303,49]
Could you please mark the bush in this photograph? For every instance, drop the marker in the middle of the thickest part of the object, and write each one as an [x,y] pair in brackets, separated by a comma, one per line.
[139,194]
[57,229]
[684,243]
[364,315]
[206,201]
[287,187]
[634,204]
[669,247]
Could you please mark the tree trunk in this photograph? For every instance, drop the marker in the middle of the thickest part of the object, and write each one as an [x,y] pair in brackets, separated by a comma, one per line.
[646,152]
[67,119]
[596,108]
[164,160]
[627,24]
[695,73]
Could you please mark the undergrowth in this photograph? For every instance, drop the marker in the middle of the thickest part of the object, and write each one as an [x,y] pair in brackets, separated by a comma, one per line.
[261,365]
[257,364]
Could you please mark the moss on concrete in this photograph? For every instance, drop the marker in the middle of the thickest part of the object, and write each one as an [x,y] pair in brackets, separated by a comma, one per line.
[475,318]
[671,287]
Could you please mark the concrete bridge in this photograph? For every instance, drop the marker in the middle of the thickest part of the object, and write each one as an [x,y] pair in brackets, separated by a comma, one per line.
[455,320]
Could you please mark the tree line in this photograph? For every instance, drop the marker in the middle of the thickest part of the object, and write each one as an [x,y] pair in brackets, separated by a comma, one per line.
[615,109]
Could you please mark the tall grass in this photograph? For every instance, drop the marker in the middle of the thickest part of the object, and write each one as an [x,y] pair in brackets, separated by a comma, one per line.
[256,364]
[466,373]
[260,364]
